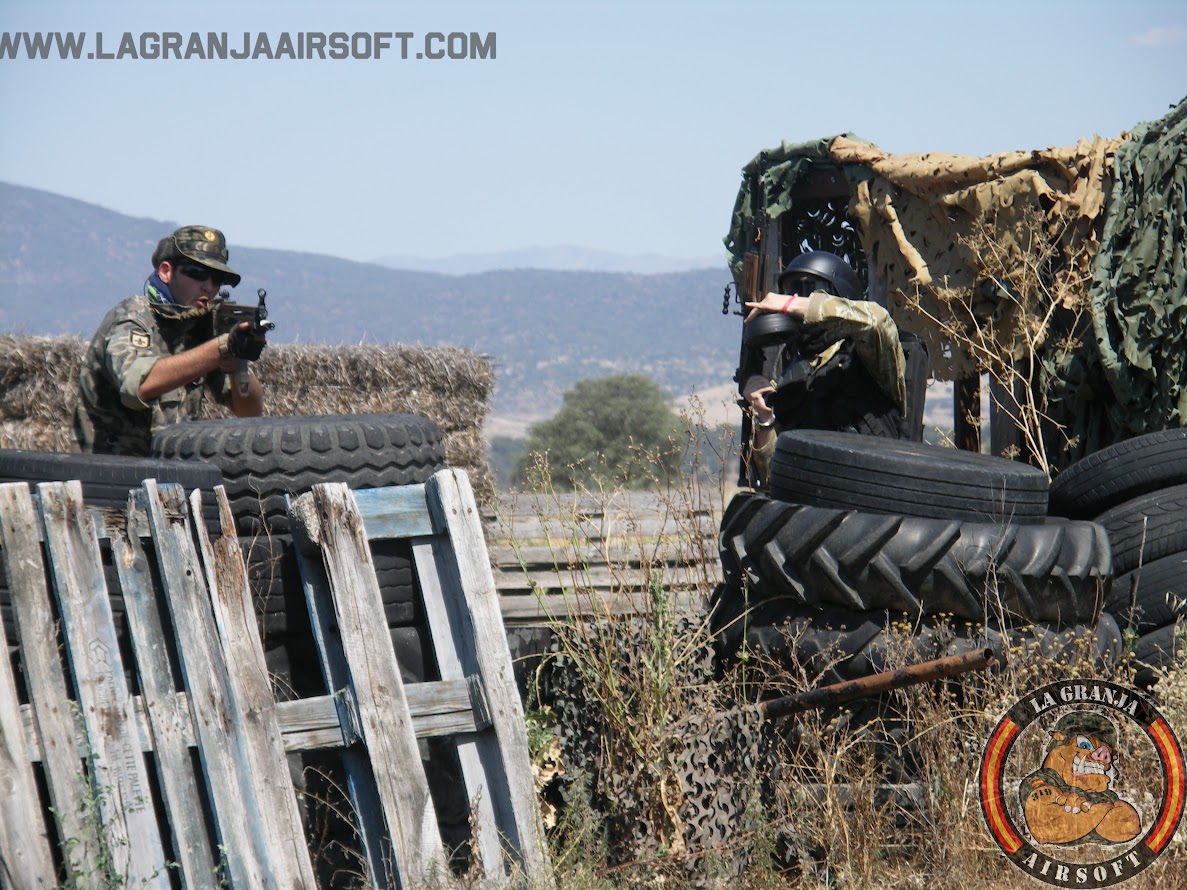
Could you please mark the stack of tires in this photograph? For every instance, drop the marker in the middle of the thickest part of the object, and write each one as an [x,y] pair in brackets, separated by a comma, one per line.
[1137,490]
[858,535]
[264,460]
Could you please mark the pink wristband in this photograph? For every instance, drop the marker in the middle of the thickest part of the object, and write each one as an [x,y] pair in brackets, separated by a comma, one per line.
[788,303]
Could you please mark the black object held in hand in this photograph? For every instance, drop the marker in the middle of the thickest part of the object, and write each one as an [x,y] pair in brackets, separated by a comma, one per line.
[244,343]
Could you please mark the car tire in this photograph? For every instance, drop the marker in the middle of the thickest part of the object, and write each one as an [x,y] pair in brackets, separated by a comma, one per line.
[1151,597]
[1147,528]
[1120,473]
[898,477]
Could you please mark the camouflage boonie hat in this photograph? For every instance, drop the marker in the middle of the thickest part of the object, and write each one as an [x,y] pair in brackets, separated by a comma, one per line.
[205,246]
[1088,723]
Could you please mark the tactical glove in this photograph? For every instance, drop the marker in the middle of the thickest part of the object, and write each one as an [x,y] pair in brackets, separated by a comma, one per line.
[246,342]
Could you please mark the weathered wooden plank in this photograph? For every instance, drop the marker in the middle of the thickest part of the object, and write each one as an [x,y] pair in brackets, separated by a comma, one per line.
[204,674]
[397,512]
[599,503]
[601,580]
[263,755]
[479,634]
[537,532]
[162,714]
[438,707]
[618,553]
[475,754]
[118,771]
[370,820]
[534,606]
[44,679]
[375,682]
[25,857]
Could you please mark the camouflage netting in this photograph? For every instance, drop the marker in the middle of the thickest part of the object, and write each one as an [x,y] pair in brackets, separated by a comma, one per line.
[449,385]
[1108,216]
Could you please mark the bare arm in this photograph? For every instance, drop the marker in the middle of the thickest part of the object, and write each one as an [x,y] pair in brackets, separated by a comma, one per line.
[172,371]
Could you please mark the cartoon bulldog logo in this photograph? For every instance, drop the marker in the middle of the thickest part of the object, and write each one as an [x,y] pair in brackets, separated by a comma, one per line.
[1059,808]
[1069,799]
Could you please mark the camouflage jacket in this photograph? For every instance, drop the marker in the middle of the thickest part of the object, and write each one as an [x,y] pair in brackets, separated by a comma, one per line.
[110,417]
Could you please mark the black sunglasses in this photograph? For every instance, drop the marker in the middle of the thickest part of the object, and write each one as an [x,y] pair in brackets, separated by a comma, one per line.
[200,273]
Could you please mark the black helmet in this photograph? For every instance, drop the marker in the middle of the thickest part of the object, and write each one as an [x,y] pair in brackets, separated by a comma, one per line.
[836,275]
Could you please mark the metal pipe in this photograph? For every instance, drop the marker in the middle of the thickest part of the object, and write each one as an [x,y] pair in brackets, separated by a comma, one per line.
[876,684]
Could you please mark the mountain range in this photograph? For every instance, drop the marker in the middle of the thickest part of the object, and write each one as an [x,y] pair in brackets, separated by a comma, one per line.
[562,258]
[64,263]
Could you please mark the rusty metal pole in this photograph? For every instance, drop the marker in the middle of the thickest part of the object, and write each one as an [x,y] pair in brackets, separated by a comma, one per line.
[876,684]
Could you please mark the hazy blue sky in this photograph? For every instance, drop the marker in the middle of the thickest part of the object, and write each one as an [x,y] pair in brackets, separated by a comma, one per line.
[615,126]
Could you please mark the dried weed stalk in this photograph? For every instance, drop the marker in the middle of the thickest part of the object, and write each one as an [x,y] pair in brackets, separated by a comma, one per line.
[1028,308]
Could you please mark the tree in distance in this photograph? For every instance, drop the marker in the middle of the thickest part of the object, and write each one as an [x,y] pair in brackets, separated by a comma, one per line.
[611,432]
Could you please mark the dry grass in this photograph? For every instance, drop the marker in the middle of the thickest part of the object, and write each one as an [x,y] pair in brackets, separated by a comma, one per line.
[652,778]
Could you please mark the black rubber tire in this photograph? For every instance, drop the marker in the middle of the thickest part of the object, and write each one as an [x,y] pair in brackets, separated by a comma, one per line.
[1162,648]
[107,478]
[898,477]
[276,588]
[1151,597]
[1120,473]
[1147,528]
[1054,572]
[264,459]
[835,645]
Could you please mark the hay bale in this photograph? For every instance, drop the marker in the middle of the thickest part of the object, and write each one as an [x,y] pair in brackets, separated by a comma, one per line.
[449,385]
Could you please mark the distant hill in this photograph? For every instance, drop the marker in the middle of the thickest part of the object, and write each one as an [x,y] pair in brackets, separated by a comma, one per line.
[64,262]
[565,258]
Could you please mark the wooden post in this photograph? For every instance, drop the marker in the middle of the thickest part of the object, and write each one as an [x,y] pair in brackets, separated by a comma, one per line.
[24,844]
[46,681]
[966,411]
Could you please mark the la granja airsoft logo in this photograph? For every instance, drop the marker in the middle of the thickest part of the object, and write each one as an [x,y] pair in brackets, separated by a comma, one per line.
[1082,783]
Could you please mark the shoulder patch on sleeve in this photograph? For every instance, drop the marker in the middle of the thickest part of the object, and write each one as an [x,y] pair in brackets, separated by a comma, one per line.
[140,339]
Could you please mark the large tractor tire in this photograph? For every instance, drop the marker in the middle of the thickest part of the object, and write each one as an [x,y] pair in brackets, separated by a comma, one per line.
[1120,473]
[1056,572]
[265,459]
[835,645]
[898,477]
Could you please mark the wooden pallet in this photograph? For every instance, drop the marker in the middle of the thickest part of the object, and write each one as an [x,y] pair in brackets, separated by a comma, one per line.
[101,749]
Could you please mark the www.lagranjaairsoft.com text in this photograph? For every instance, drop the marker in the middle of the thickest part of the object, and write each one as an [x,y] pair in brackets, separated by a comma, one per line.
[247,45]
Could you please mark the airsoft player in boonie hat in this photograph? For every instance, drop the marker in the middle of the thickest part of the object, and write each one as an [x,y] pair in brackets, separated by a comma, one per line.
[204,246]
[156,357]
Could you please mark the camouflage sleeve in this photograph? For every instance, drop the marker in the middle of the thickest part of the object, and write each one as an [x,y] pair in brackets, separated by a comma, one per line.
[874,337]
[133,346]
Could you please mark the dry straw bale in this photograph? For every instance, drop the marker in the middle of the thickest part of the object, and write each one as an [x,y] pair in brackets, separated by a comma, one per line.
[450,385]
